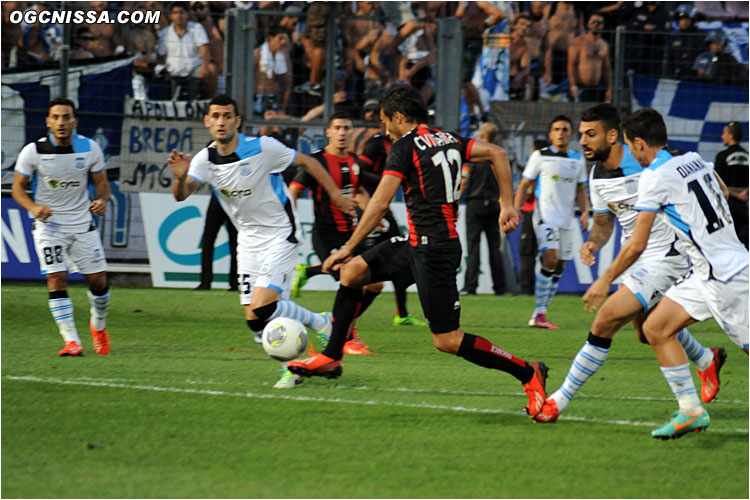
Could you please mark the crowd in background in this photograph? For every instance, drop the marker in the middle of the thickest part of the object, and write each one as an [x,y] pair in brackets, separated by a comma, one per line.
[552,46]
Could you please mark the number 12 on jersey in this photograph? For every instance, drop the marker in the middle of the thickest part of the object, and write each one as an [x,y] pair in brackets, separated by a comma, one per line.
[452,181]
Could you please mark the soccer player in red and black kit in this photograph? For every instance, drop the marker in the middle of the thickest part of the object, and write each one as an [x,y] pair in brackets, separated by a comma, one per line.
[371,163]
[427,163]
[333,227]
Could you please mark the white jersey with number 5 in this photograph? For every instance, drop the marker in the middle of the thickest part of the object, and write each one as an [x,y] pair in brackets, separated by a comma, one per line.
[685,188]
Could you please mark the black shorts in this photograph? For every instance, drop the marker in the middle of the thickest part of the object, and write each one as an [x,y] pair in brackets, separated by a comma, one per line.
[393,230]
[326,242]
[433,267]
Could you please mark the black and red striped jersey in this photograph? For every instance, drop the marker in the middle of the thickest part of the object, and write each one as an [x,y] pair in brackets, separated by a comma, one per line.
[372,161]
[345,174]
[428,161]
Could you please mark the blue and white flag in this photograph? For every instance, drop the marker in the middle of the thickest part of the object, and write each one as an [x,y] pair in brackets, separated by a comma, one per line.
[695,113]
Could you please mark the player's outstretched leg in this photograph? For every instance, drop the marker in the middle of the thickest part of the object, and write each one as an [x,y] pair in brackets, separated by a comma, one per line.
[61,308]
[482,352]
[99,300]
[587,362]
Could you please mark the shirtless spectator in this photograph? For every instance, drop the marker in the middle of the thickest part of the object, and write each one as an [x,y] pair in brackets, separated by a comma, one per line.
[361,135]
[589,70]
[82,43]
[476,18]
[109,39]
[13,51]
[273,79]
[42,41]
[360,35]
[417,54]
[141,42]
[314,40]
[563,24]
[521,83]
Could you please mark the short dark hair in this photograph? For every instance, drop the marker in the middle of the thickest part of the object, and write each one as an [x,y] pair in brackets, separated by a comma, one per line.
[647,124]
[62,101]
[736,131]
[182,5]
[275,29]
[339,115]
[224,100]
[606,113]
[406,100]
[560,118]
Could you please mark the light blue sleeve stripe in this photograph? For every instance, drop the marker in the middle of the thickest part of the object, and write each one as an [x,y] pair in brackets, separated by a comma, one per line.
[600,211]
[642,301]
[294,158]
[274,287]
[25,175]
[646,209]
[194,177]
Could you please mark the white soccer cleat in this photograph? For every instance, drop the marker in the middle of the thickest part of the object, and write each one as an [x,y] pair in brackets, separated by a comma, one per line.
[288,380]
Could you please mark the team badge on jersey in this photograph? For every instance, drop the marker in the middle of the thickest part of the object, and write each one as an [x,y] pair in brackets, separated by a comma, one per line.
[631,186]
[245,170]
[80,164]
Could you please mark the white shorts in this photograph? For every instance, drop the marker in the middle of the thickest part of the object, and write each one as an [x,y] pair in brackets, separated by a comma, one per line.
[72,252]
[268,266]
[554,238]
[726,301]
[648,279]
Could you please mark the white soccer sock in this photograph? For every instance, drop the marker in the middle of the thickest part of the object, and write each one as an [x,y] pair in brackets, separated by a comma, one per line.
[99,310]
[585,365]
[551,290]
[541,290]
[698,354]
[62,312]
[681,382]
[289,309]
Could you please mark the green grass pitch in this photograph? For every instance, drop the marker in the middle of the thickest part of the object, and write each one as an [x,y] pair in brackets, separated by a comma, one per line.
[183,407]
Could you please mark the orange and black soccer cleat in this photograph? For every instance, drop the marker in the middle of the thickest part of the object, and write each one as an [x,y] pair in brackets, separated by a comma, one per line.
[710,376]
[72,348]
[534,388]
[319,365]
[548,413]
[101,340]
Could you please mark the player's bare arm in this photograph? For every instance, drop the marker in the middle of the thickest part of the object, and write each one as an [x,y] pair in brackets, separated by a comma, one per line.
[20,182]
[724,188]
[583,205]
[604,224]
[374,212]
[99,205]
[314,168]
[629,253]
[483,151]
[183,186]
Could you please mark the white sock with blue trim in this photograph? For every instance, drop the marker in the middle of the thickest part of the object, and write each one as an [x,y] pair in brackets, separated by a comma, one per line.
[99,310]
[289,309]
[698,354]
[62,312]
[681,382]
[542,286]
[587,362]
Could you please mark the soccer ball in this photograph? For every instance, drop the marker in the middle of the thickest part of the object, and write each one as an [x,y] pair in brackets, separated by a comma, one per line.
[284,339]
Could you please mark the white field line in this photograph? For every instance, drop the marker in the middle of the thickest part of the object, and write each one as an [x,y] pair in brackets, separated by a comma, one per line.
[367,402]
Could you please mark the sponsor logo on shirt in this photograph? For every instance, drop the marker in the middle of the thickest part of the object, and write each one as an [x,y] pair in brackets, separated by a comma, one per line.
[236,193]
[58,184]
[620,207]
[560,178]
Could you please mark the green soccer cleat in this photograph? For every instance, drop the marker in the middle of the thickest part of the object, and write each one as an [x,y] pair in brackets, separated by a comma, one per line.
[408,320]
[299,280]
[681,424]
[324,335]
[288,380]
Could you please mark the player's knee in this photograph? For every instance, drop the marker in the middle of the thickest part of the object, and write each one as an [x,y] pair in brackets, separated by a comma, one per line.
[97,281]
[446,342]
[375,287]
[354,273]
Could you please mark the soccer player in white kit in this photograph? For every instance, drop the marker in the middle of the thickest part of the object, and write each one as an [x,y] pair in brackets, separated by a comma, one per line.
[245,173]
[613,185]
[64,234]
[687,190]
[560,176]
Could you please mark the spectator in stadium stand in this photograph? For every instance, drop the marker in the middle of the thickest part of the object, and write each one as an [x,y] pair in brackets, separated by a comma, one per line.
[155,6]
[400,23]
[684,45]
[183,46]
[564,21]
[589,70]
[732,167]
[273,79]
[521,82]
[722,11]
[141,42]
[360,36]
[42,41]
[535,41]
[482,213]
[646,38]
[109,39]
[362,134]
[718,66]
[476,17]
[200,13]
[318,14]
[13,51]
[82,42]
[416,55]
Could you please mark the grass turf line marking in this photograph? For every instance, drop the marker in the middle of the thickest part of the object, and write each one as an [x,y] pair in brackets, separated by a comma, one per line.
[370,402]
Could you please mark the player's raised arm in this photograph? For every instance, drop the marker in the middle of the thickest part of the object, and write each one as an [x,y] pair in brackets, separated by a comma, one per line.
[482,151]
[179,164]
[316,170]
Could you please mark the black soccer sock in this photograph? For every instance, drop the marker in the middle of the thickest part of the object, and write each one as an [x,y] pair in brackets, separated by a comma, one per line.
[312,271]
[400,294]
[367,298]
[345,309]
[482,352]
